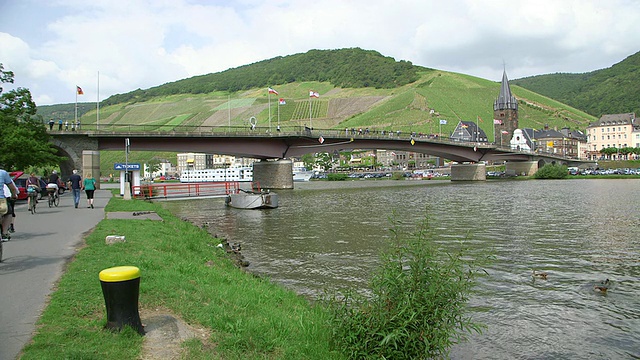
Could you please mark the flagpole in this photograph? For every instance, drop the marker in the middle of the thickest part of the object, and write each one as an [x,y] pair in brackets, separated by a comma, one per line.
[477,127]
[229,110]
[269,92]
[97,104]
[76,117]
[310,121]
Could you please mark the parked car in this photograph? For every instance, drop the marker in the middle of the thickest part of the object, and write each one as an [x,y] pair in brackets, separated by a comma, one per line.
[20,182]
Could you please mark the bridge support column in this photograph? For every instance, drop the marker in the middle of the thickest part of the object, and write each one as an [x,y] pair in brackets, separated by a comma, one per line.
[273,174]
[91,164]
[521,168]
[468,172]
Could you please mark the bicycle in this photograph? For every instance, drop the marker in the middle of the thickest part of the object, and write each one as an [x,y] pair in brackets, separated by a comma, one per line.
[54,199]
[32,193]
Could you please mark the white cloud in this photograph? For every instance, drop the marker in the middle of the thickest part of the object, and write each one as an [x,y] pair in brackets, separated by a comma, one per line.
[144,43]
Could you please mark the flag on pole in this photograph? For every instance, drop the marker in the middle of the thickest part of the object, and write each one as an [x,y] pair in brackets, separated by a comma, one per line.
[497,122]
[313,94]
[282,102]
[443,122]
[79,90]
[272,91]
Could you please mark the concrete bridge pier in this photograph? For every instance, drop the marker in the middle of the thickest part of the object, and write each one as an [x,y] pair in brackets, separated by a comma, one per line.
[521,168]
[91,164]
[276,174]
[468,172]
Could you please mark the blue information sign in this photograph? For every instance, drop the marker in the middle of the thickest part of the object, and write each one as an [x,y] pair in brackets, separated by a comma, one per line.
[129,166]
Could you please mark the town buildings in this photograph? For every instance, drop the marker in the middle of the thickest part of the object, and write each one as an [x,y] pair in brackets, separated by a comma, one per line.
[614,130]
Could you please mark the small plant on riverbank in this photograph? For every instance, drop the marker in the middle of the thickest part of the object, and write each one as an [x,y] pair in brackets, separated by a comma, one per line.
[397,176]
[337,177]
[417,305]
[551,171]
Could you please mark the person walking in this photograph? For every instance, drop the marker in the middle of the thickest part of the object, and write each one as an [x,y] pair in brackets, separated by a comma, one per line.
[51,124]
[75,183]
[59,124]
[89,186]
[4,207]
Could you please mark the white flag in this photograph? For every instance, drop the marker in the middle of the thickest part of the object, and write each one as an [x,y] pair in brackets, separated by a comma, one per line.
[443,122]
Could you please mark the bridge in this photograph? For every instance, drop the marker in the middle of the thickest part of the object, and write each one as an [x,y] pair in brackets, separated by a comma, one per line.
[290,141]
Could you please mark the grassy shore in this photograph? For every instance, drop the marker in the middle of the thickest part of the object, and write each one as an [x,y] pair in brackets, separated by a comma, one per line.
[184,272]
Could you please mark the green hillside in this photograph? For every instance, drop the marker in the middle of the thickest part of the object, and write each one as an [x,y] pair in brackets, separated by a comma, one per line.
[407,98]
[614,90]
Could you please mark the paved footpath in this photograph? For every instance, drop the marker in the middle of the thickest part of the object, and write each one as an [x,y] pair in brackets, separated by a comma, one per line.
[34,260]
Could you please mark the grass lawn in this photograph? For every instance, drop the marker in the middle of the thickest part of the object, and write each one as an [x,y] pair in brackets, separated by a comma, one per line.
[184,272]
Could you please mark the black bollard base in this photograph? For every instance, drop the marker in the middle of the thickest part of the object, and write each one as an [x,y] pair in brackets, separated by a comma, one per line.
[121,288]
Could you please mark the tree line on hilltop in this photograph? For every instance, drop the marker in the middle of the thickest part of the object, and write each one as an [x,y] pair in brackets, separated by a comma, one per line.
[346,68]
[612,90]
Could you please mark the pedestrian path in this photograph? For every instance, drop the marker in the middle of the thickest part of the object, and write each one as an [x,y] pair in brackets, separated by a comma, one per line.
[34,260]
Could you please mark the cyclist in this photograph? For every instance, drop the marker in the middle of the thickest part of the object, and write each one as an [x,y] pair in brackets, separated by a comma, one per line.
[13,190]
[33,188]
[52,186]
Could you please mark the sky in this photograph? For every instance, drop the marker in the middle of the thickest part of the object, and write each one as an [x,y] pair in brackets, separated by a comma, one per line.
[112,47]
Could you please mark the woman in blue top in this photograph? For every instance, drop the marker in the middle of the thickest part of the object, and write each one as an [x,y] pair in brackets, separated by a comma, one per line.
[89,186]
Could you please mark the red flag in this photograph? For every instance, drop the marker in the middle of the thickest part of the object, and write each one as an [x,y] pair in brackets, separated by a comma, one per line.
[282,102]
[313,94]
[79,90]
[505,132]
[497,122]
[272,91]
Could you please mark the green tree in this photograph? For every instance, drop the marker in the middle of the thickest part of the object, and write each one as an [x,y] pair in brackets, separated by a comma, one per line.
[308,161]
[25,141]
[324,160]
[154,166]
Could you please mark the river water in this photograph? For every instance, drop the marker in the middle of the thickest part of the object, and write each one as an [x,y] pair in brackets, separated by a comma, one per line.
[327,235]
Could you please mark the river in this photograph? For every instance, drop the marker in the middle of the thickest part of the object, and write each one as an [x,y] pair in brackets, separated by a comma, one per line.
[327,235]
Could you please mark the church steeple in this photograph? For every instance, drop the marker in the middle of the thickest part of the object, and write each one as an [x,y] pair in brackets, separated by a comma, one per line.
[505,114]
[505,100]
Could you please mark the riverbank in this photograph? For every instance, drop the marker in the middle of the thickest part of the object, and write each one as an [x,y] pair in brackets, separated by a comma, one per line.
[185,273]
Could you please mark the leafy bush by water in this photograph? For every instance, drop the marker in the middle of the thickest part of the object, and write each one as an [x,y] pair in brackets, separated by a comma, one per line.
[336,177]
[416,308]
[551,171]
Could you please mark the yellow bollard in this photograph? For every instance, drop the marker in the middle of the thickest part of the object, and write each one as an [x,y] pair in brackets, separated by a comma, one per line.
[120,288]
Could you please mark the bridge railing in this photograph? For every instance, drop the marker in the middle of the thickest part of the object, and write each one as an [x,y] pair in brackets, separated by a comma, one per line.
[185,190]
[260,131]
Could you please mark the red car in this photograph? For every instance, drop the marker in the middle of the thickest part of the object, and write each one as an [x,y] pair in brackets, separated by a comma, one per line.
[20,184]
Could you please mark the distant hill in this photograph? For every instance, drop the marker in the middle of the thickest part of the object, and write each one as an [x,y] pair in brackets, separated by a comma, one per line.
[614,90]
[358,89]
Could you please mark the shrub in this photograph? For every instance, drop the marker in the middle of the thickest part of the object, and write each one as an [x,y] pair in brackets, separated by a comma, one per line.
[416,306]
[397,176]
[336,177]
[551,171]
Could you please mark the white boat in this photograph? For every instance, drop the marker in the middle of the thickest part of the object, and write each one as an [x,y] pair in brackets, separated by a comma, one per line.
[302,174]
[248,199]
[214,175]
